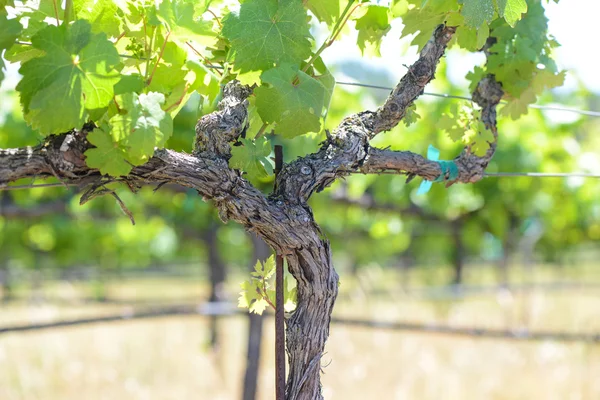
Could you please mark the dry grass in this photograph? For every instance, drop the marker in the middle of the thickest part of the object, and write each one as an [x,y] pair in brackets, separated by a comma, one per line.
[168,358]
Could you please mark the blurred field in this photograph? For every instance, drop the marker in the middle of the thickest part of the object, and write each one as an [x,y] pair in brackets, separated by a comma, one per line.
[169,358]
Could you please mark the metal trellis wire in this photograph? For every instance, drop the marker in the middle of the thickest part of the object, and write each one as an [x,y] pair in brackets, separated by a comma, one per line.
[226,310]
[487,175]
[588,113]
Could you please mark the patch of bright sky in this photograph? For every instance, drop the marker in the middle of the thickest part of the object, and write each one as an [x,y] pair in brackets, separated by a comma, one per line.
[572,22]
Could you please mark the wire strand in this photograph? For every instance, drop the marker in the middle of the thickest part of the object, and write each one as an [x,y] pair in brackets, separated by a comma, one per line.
[514,174]
[487,175]
[588,113]
[220,310]
[541,174]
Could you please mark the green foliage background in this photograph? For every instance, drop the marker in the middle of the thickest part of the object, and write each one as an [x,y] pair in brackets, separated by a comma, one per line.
[144,72]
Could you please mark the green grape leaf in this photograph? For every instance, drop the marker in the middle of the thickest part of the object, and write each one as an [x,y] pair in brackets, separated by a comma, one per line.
[9,32]
[520,60]
[325,10]
[511,10]
[476,135]
[75,74]
[256,291]
[203,80]
[267,32]
[198,78]
[411,116]
[38,13]
[372,27]
[45,9]
[480,142]
[22,52]
[454,19]
[515,107]
[322,75]
[464,124]
[254,121]
[423,21]
[452,125]
[102,14]
[474,77]
[249,295]
[264,270]
[249,78]
[201,6]
[292,99]
[108,156]
[129,83]
[516,57]
[483,33]
[259,306]
[545,80]
[466,37]
[170,70]
[542,81]
[251,157]
[141,125]
[178,16]
[3,11]
[398,8]
[438,6]
[477,12]
[290,296]
[246,295]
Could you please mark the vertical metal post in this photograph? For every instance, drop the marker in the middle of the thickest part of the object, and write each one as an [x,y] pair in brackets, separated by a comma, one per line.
[279,312]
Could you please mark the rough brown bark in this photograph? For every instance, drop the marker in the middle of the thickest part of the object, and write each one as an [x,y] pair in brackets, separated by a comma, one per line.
[283,219]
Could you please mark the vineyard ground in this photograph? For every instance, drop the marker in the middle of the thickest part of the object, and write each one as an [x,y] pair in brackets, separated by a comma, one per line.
[169,358]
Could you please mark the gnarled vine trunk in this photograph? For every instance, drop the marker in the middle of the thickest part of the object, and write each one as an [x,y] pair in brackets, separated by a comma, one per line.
[283,219]
[308,328]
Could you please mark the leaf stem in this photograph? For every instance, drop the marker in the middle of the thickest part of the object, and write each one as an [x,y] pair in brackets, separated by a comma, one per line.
[206,60]
[116,104]
[261,131]
[162,50]
[56,12]
[344,23]
[339,21]
[68,11]
[265,295]
[146,49]
[120,36]
[216,18]
[337,28]
[178,102]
